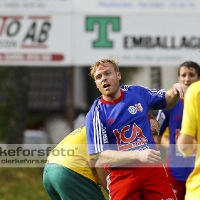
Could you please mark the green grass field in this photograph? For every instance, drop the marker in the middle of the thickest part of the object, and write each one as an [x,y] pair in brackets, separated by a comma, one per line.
[22,184]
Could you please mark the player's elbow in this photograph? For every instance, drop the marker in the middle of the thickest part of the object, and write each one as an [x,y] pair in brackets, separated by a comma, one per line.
[184,149]
[185,146]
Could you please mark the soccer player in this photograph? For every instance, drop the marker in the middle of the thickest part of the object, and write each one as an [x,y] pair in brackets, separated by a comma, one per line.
[68,173]
[118,133]
[190,129]
[177,166]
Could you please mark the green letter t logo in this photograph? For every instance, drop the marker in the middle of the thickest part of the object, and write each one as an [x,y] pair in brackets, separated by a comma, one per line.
[102,23]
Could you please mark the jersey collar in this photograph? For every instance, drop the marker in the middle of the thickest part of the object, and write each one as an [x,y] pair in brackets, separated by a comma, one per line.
[115,101]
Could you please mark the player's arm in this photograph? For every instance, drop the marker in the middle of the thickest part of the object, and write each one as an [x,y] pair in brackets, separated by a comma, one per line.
[186,144]
[172,95]
[102,174]
[99,172]
[120,158]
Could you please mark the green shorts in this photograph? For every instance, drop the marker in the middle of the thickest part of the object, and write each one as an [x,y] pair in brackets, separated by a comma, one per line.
[62,183]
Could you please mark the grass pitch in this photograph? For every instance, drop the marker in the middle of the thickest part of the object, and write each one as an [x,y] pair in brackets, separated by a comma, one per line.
[23,184]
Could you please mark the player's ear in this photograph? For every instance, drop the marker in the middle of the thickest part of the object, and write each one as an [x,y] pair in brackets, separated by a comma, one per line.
[119,75]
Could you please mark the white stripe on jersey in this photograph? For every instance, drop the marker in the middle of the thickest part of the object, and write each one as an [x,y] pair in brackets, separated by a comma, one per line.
[97,130]
[152,92]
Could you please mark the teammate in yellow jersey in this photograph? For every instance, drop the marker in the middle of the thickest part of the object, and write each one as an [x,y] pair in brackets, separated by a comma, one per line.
[186,143]
[68,173]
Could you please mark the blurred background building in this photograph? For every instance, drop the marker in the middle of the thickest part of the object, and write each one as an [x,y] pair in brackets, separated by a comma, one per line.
[47,48]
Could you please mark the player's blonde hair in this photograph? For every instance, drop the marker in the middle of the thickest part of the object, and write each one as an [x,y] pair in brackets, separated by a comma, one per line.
[114,62]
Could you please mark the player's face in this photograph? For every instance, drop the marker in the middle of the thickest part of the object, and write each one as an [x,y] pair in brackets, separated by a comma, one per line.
[107,81]
[187,75]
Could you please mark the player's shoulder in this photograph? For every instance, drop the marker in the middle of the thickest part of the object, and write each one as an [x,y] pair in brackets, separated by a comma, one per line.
[192,94]
[196,84]
[79,130]
[131,87]
[194,87]
[96,104]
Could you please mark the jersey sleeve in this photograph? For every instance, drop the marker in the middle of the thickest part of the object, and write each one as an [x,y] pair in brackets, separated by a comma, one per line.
[162,118]
[96,135]
[155,98]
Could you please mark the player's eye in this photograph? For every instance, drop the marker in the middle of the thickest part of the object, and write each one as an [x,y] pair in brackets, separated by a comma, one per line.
[98,77]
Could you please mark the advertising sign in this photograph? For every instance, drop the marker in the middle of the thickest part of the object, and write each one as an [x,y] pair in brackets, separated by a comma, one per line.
[35,6]
[137,40]
[137,6]
[35,40]
[77,32]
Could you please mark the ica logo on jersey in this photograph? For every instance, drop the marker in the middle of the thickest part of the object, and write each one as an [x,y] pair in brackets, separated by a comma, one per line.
[135,139]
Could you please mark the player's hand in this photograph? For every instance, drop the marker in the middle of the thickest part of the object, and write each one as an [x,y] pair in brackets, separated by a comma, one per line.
[149,156]
[180,89]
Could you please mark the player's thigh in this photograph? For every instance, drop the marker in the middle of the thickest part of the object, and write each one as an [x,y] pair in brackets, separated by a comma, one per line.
[124,184]
[47,182]
[157,185]
[179,187]
[75,186]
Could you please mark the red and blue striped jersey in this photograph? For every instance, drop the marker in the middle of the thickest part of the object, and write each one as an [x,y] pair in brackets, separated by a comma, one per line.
[180,167]
[123,124]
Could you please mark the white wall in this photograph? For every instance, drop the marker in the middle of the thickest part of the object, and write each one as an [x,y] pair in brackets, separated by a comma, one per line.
[169,76]
[140,77]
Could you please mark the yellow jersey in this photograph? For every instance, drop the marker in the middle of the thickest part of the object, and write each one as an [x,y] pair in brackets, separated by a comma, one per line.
[191,126]
[72,152]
